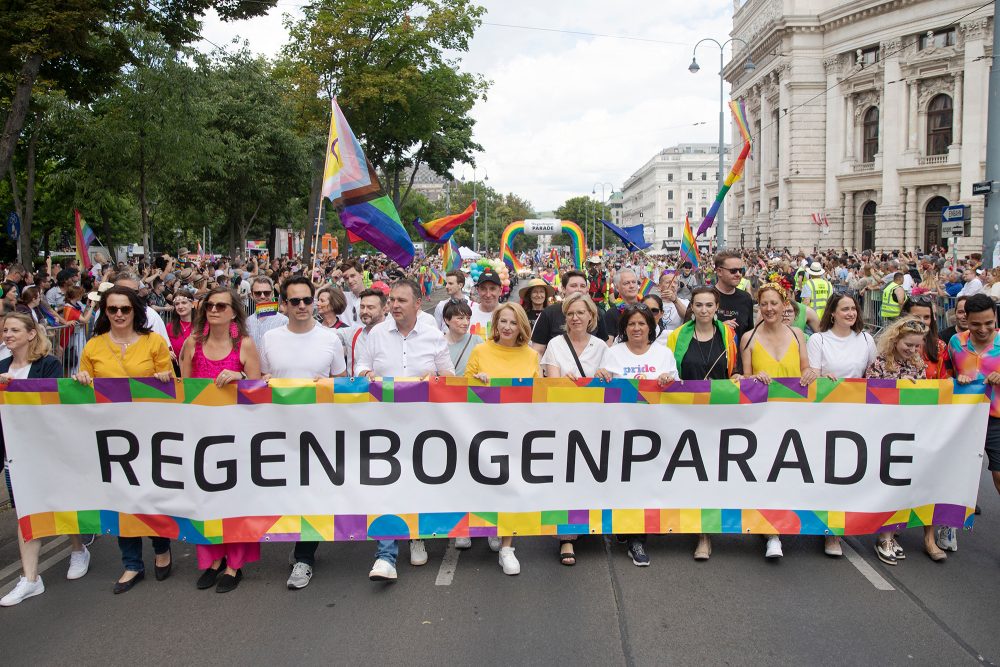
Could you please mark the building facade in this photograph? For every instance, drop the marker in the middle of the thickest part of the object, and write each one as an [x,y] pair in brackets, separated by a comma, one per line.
[678,181]
[871,113]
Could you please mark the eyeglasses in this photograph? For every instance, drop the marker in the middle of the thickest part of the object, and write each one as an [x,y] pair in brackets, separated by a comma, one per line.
[295,301]
[124,310]
[262,293]
[740,270]
[655,311]
[217,306]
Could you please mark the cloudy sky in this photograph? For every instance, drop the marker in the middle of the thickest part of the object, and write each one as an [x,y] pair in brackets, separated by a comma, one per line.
[567,110]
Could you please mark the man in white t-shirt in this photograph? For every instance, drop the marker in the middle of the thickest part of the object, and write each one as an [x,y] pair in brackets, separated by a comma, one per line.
[301,349]
[488,289]
[454,284]
[351,271]
[372,311]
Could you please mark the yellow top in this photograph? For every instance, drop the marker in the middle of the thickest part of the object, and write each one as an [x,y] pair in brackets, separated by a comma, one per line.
[500,361]
[789,366]
[103,359]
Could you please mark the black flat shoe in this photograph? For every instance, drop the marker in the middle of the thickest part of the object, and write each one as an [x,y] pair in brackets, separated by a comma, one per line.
[126,586]
[210,576]
[228,582]
[164,572]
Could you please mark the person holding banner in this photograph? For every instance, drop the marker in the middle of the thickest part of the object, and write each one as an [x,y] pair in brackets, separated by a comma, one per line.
[899,358]
[221,350]
[636,357]
[124,345]
[25,339]
[578,352]
[505,354]
[704,349]
[772,349]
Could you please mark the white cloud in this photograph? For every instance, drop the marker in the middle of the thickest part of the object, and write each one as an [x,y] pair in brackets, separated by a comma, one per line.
[566,110]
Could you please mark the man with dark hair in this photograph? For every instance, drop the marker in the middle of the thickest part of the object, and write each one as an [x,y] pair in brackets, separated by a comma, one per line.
[960,325]
[551,322]
[353,275]
[371,309]
[735,305]
[454,285]
[259,323]
[975,356]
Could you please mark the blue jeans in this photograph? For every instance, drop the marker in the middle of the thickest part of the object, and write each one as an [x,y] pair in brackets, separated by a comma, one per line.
[387,550]
[131,548]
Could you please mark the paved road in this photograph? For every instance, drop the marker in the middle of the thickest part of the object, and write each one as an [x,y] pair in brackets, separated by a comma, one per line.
[735,609]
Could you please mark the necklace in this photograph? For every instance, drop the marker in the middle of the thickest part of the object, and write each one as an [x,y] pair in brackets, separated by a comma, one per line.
[706,356]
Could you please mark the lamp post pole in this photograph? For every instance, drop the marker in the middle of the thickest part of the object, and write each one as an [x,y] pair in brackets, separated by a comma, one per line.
[603,206]
[720,218]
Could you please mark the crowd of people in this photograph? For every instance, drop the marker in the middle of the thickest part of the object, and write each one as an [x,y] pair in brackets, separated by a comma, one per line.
[748,315]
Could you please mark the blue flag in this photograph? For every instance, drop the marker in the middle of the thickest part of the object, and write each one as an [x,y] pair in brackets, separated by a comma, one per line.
[633,237]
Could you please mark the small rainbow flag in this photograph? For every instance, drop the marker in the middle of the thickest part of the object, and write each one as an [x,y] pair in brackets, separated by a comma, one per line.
[437,275]
[440,230]
[451,258]
[739,110]
[266,309]
[85,237]
[645,288]
[689,247]
[556,260]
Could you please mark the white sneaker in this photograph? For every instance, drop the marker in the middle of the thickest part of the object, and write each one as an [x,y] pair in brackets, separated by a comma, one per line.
[831,546]
[494,543]
[508,561]
[79,563]
[25,589]
[300,577]
[382,570]
[463,542]
[773,547]
[418,553]
[946,538]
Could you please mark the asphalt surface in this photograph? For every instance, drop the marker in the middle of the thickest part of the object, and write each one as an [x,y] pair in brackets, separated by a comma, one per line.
[737,608]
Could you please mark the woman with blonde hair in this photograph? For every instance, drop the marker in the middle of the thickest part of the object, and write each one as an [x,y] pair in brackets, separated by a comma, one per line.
[30,359]
[899,358]
[578,352]
[506,354]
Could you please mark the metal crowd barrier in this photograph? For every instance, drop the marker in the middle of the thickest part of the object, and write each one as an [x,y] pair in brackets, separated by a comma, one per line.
[871,303]
[67,345]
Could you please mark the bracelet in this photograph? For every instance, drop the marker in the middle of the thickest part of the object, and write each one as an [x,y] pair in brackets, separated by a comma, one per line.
[243,375]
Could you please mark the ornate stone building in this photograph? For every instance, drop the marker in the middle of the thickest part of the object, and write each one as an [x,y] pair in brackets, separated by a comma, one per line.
[870,112]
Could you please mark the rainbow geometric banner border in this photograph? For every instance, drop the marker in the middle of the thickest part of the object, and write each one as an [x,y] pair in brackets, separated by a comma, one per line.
[499,390]
[486,524]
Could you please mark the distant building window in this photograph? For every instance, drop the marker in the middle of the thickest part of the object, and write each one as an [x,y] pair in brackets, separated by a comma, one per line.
[670,178]
[670,232]
[704,211]
[670,214]
[690,175]
[939,120]
[937,39]
[869,140]
[868,56]
[704,176]
[670,194]
[690,213]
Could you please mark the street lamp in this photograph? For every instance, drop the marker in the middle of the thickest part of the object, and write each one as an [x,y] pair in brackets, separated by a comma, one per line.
[603,206]
[475,214]
[486,215]
[720,220]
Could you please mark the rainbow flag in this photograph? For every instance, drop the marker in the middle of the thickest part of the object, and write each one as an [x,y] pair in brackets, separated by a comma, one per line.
[645,288]
[451,259]
[440,230]
[350,182]
[689,247]
[556,261]
[437,275]
[739,109]
[734,175]
[85,237]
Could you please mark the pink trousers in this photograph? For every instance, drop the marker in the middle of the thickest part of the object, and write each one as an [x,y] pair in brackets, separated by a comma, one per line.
[237,554]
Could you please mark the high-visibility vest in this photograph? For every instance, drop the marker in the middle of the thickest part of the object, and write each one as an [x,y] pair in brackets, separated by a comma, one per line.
[890,307]
[744,284]
[821,290]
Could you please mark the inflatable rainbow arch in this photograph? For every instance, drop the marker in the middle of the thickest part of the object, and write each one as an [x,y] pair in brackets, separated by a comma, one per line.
[577,241]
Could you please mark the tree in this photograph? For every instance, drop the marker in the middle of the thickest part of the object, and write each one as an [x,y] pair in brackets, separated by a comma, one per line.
[77,46]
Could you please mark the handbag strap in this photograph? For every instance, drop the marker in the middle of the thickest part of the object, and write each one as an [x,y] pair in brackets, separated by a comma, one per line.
[569,344]
[464,348]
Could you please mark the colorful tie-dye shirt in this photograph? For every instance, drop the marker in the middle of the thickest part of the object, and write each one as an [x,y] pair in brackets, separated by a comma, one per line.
[966,361]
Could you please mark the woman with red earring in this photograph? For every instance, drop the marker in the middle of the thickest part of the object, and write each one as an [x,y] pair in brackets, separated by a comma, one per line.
[220,349]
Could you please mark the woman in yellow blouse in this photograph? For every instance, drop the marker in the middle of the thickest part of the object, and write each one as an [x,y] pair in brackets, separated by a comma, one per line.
[124,346]
[506,354]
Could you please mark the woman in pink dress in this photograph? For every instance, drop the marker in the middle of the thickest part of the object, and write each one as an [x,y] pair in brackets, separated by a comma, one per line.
[220,349]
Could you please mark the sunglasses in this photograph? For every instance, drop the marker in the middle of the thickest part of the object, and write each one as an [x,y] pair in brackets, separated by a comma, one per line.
[295,301]
[740,270]
[921,300]
[217,306]
[262,293]
[124,310]
[655,311]
[919,327]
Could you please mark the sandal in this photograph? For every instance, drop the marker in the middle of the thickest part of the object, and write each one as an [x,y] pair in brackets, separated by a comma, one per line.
[567,558]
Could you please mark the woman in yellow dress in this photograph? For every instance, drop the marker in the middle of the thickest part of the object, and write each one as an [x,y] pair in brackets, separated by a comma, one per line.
[772,349]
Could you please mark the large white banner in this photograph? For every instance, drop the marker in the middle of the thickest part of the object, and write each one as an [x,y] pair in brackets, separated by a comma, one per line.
[536,463]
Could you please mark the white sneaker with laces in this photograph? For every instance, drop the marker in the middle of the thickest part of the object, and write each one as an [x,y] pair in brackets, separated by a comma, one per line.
[946,538]
[773,547]
[463,542]
[418,553]
[22,591]
[494,543]
[79,564]
[300,577]
[382,570]
[508,561]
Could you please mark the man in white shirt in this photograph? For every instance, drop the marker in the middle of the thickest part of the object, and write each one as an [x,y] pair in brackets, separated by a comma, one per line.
[973,284]
[259,323]
[153,319]
[354,277]
[488,289]
[454,284]
[301,349]
[403,346]
[371,309]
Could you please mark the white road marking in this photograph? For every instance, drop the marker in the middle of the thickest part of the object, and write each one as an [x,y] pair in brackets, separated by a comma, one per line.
[866,570]
[448,565]
[16,565]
